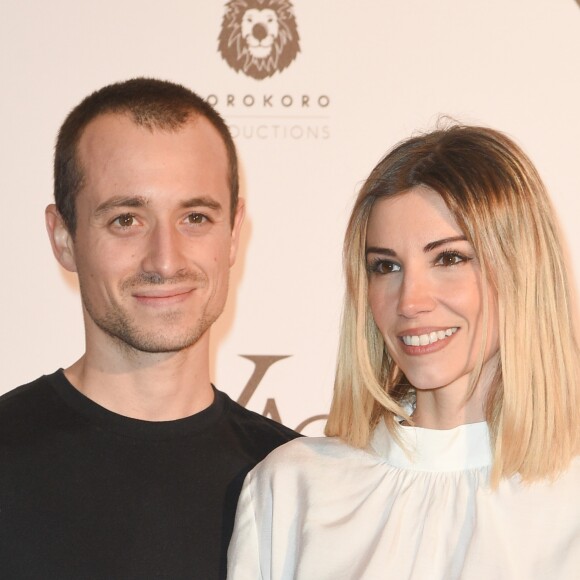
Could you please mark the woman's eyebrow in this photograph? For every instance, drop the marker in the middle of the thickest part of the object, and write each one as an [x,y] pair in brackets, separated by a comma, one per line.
[382,251]
[428,248]
[432,245]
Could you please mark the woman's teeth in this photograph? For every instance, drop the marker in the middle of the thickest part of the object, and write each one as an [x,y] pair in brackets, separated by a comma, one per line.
[425,339]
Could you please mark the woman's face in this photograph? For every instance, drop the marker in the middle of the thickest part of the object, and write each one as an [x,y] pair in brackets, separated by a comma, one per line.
[425,290]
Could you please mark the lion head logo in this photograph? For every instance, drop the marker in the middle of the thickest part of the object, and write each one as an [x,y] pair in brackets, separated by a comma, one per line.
[259,37]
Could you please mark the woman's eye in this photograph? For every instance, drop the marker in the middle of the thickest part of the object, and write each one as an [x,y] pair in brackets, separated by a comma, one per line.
[125,221]
[450,259]
[383,267]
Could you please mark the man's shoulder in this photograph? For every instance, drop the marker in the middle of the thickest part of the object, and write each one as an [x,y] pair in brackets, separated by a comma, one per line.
[24,406]
[256,422]
[254,428]
[24,395]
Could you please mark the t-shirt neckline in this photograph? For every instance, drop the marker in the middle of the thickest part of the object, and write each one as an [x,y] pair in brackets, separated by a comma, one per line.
[137,428]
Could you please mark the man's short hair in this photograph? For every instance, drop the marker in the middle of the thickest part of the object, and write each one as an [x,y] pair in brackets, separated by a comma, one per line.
[150,103]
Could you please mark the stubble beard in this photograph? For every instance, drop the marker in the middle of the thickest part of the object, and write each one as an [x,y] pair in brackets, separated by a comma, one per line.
[117,323]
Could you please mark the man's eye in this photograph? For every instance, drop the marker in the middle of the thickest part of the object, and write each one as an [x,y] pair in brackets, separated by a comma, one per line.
[380,266]
[196,218]
[125,221]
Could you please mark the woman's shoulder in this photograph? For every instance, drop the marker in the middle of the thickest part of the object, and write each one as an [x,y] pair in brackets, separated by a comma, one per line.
[309,447]
[307,454]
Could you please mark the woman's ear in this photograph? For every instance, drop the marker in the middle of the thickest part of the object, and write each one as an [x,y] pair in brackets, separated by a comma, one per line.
[60,238]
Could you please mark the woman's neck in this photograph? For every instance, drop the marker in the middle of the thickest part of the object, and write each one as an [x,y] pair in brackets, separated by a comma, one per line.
[451,405]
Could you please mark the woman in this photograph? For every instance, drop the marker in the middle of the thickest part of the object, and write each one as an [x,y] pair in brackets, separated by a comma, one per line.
[454,429]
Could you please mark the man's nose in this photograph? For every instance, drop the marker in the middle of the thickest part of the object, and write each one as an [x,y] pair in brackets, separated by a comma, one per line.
[416,295]
[165,252]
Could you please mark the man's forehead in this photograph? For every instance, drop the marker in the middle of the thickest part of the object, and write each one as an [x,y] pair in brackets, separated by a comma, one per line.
[117,137]
[115,126]
[121,158]
[118,128]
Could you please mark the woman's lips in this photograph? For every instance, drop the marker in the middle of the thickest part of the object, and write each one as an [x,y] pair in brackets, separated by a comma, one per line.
[426,340]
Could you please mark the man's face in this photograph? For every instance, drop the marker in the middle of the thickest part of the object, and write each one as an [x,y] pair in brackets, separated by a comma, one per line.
[154,242]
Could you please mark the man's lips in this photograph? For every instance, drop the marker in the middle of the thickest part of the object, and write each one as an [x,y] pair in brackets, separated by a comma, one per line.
[415,341]
[162,297]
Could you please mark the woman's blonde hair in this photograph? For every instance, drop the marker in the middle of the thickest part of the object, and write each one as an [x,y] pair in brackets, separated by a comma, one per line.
[499,201]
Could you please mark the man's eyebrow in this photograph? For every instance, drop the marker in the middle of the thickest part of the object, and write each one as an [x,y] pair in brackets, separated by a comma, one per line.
[202,201]
[428,248]
[140,201]
[120,201]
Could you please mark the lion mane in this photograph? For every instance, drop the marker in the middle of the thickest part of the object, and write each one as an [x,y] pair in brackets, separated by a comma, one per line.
[234,47]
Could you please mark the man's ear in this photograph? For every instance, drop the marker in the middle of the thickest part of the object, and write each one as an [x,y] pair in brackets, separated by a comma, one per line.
[60,238]
[237,226]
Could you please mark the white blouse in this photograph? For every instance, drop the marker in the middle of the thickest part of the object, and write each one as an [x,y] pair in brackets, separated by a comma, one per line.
[318,509]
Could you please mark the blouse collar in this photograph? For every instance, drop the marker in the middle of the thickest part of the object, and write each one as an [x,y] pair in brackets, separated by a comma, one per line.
[461,448]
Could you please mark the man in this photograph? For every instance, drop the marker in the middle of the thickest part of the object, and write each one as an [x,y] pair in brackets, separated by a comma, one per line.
[128,464]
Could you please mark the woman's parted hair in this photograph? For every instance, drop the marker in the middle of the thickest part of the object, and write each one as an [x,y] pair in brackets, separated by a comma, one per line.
[499,201]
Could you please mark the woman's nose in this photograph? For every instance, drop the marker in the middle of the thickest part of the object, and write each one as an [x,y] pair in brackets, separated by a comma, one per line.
[416,295]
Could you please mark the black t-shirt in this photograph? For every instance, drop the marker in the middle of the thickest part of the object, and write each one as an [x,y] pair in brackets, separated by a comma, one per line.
[89,494]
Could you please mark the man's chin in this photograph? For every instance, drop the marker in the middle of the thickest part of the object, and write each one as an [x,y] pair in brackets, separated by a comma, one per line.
[156,343]
[154,336]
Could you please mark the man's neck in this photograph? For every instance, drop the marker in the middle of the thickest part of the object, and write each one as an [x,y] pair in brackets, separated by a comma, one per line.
[146,386]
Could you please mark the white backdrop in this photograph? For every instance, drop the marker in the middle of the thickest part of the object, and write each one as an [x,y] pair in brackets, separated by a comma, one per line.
[373,72]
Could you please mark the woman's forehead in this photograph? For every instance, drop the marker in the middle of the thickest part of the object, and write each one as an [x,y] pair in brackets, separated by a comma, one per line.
[419,213]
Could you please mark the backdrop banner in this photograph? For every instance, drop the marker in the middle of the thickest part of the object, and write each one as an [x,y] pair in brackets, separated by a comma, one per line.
[336,84]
